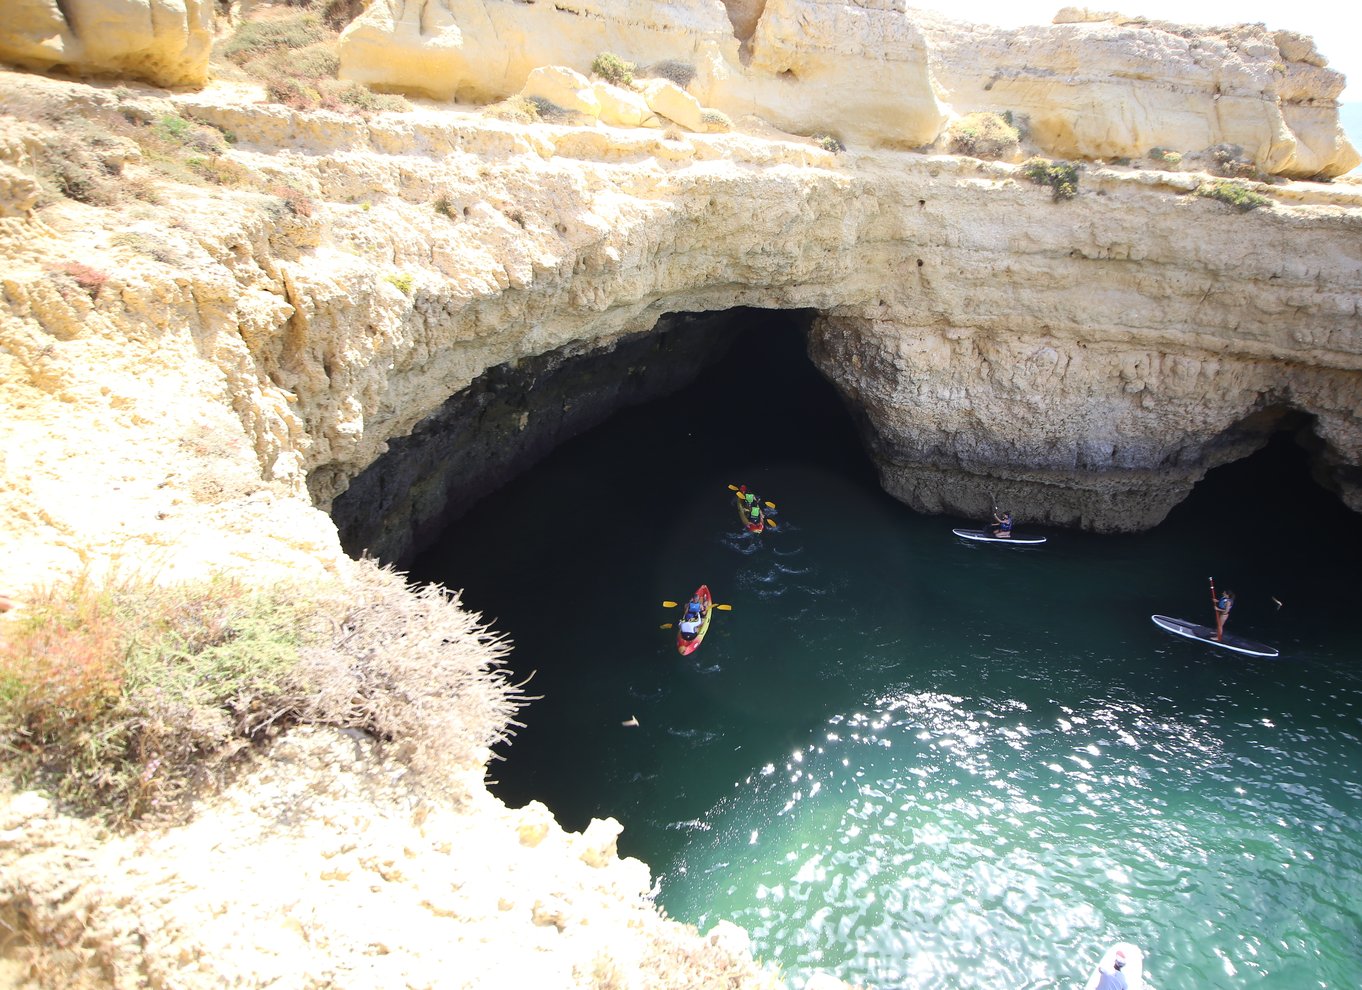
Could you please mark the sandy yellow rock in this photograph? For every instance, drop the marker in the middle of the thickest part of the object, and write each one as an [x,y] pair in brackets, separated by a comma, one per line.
[563,87]
[166,42]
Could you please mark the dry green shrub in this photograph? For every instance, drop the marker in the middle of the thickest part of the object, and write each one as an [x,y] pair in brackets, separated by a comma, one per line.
[517,108]
[336,14]
[716,121]
[681,73]
[829,143]
[408,664]
[1234,194]
[1165,156]
[255,39]
[108,690]
[613,69]
[1229,161]
[985,135]
[72,168]
[112,693]
[1061,177]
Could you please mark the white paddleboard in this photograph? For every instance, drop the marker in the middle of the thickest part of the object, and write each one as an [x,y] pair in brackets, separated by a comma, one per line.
[1206,634]
[1133,970]
[986,536]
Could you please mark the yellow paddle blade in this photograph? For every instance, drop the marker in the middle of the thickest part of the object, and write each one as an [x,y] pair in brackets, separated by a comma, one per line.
[669,604]
[724,608]
[771,522]
[770,505]
[665,625]
[732,488]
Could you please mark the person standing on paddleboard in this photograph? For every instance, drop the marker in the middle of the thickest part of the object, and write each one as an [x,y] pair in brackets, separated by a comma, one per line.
[1223,602]
[1112,978]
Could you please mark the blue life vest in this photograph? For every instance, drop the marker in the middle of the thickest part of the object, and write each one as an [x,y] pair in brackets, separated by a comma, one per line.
[1223,603]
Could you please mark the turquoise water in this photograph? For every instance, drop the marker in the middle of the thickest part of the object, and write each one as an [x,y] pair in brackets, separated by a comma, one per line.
[918,762]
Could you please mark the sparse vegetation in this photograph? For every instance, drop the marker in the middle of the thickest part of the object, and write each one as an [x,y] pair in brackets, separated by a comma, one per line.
[1234,194]
[296,58]
[1229,161]
[257,39]
[295,201]
[613,69]
[829,143]
[547,110]
[443,204]
[111,693]
[716,121]
[516,108]
[403,282]
[681,73]
[985,135]
[82,276]
[1166,157]
[1061,177]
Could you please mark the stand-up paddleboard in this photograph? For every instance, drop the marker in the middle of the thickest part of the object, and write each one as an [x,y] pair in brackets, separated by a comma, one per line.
[1207,635]
[986,536]
[1132,969]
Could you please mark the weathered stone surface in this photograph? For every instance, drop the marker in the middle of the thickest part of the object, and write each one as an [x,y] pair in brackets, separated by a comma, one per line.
[166,42]
[1092,86]
[1104,86]
[858,68]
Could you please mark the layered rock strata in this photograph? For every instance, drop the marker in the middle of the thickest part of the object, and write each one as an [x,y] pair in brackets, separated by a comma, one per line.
[877,72]
[1106,350]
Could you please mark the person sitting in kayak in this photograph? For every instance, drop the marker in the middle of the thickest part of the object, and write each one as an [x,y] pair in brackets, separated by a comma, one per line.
[1223,602]
[690,628]
[1004,528]
[695,609]
[754,513]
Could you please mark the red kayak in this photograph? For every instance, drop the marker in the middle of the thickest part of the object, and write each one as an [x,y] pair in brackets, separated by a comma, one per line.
[745,515]
[688,646]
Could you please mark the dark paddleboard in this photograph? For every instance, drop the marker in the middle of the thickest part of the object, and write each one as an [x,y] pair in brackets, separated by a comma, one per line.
[1206,634]
[986,536]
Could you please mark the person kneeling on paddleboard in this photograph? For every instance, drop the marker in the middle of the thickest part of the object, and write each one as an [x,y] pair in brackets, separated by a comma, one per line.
[1223,602]
[1004,528]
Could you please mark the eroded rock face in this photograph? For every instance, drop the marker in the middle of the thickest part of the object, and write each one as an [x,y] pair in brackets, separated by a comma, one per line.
[165,42]
[1091,86]
[859,69]
[1099,353]
[1105,87]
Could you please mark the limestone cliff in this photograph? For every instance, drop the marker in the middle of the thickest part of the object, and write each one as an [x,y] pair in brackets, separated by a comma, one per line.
[879,72]
[198,369]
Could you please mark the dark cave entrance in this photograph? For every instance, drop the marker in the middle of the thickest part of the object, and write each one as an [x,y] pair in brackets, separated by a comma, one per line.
[749,365]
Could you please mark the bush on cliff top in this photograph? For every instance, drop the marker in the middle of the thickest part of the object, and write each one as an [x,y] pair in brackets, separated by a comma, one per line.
[112,694]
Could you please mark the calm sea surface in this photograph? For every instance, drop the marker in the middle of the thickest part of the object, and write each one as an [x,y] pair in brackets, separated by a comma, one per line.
[917,762]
